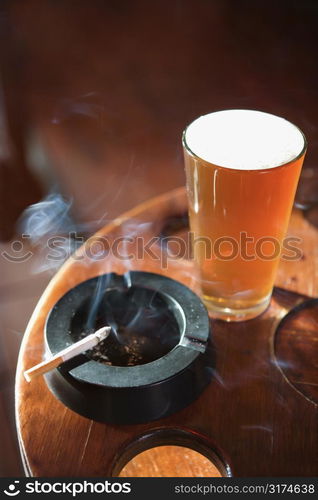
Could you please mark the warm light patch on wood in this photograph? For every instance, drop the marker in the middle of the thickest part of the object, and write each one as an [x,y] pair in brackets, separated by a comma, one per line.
[170,461]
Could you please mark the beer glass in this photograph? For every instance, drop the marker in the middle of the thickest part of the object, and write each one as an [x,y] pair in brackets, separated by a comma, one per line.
[242,169]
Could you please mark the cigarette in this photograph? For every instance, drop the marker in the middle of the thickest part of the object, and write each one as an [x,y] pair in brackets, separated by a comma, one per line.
[70,352]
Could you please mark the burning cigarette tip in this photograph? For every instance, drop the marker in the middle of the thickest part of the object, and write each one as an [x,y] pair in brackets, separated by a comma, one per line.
[103,333]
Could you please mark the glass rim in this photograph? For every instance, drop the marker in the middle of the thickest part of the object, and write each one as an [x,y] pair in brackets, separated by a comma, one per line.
[193,154]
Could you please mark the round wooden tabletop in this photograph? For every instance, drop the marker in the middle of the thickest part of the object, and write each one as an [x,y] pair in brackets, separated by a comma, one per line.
[250,421]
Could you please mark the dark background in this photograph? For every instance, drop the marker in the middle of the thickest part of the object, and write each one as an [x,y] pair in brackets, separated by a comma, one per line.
[94,96]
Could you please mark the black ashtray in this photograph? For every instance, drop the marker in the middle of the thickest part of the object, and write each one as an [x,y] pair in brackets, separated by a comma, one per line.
[156,360]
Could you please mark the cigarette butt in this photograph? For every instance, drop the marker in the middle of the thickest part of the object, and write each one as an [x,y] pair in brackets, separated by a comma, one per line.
[70,352]
[42,368]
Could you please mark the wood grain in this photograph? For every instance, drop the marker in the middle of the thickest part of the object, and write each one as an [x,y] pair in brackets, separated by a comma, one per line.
[170,461]
[249,419]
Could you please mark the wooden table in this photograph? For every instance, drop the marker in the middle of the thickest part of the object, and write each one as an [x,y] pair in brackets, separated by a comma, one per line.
[251,421]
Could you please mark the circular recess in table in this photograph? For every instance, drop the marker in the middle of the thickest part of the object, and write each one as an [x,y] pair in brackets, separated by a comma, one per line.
[146,445]
[296,348]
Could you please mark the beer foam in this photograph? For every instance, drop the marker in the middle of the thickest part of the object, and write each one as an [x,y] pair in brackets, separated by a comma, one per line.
[244,139]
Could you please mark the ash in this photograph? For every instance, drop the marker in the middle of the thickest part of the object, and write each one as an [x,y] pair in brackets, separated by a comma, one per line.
[111,352]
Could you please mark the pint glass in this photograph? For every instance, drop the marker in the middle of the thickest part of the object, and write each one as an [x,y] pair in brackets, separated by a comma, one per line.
[242,169]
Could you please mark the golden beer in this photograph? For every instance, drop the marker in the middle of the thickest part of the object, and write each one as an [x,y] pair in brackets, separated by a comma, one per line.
[242,170]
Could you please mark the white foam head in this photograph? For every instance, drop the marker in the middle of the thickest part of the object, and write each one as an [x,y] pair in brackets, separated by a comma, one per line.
[244,139]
